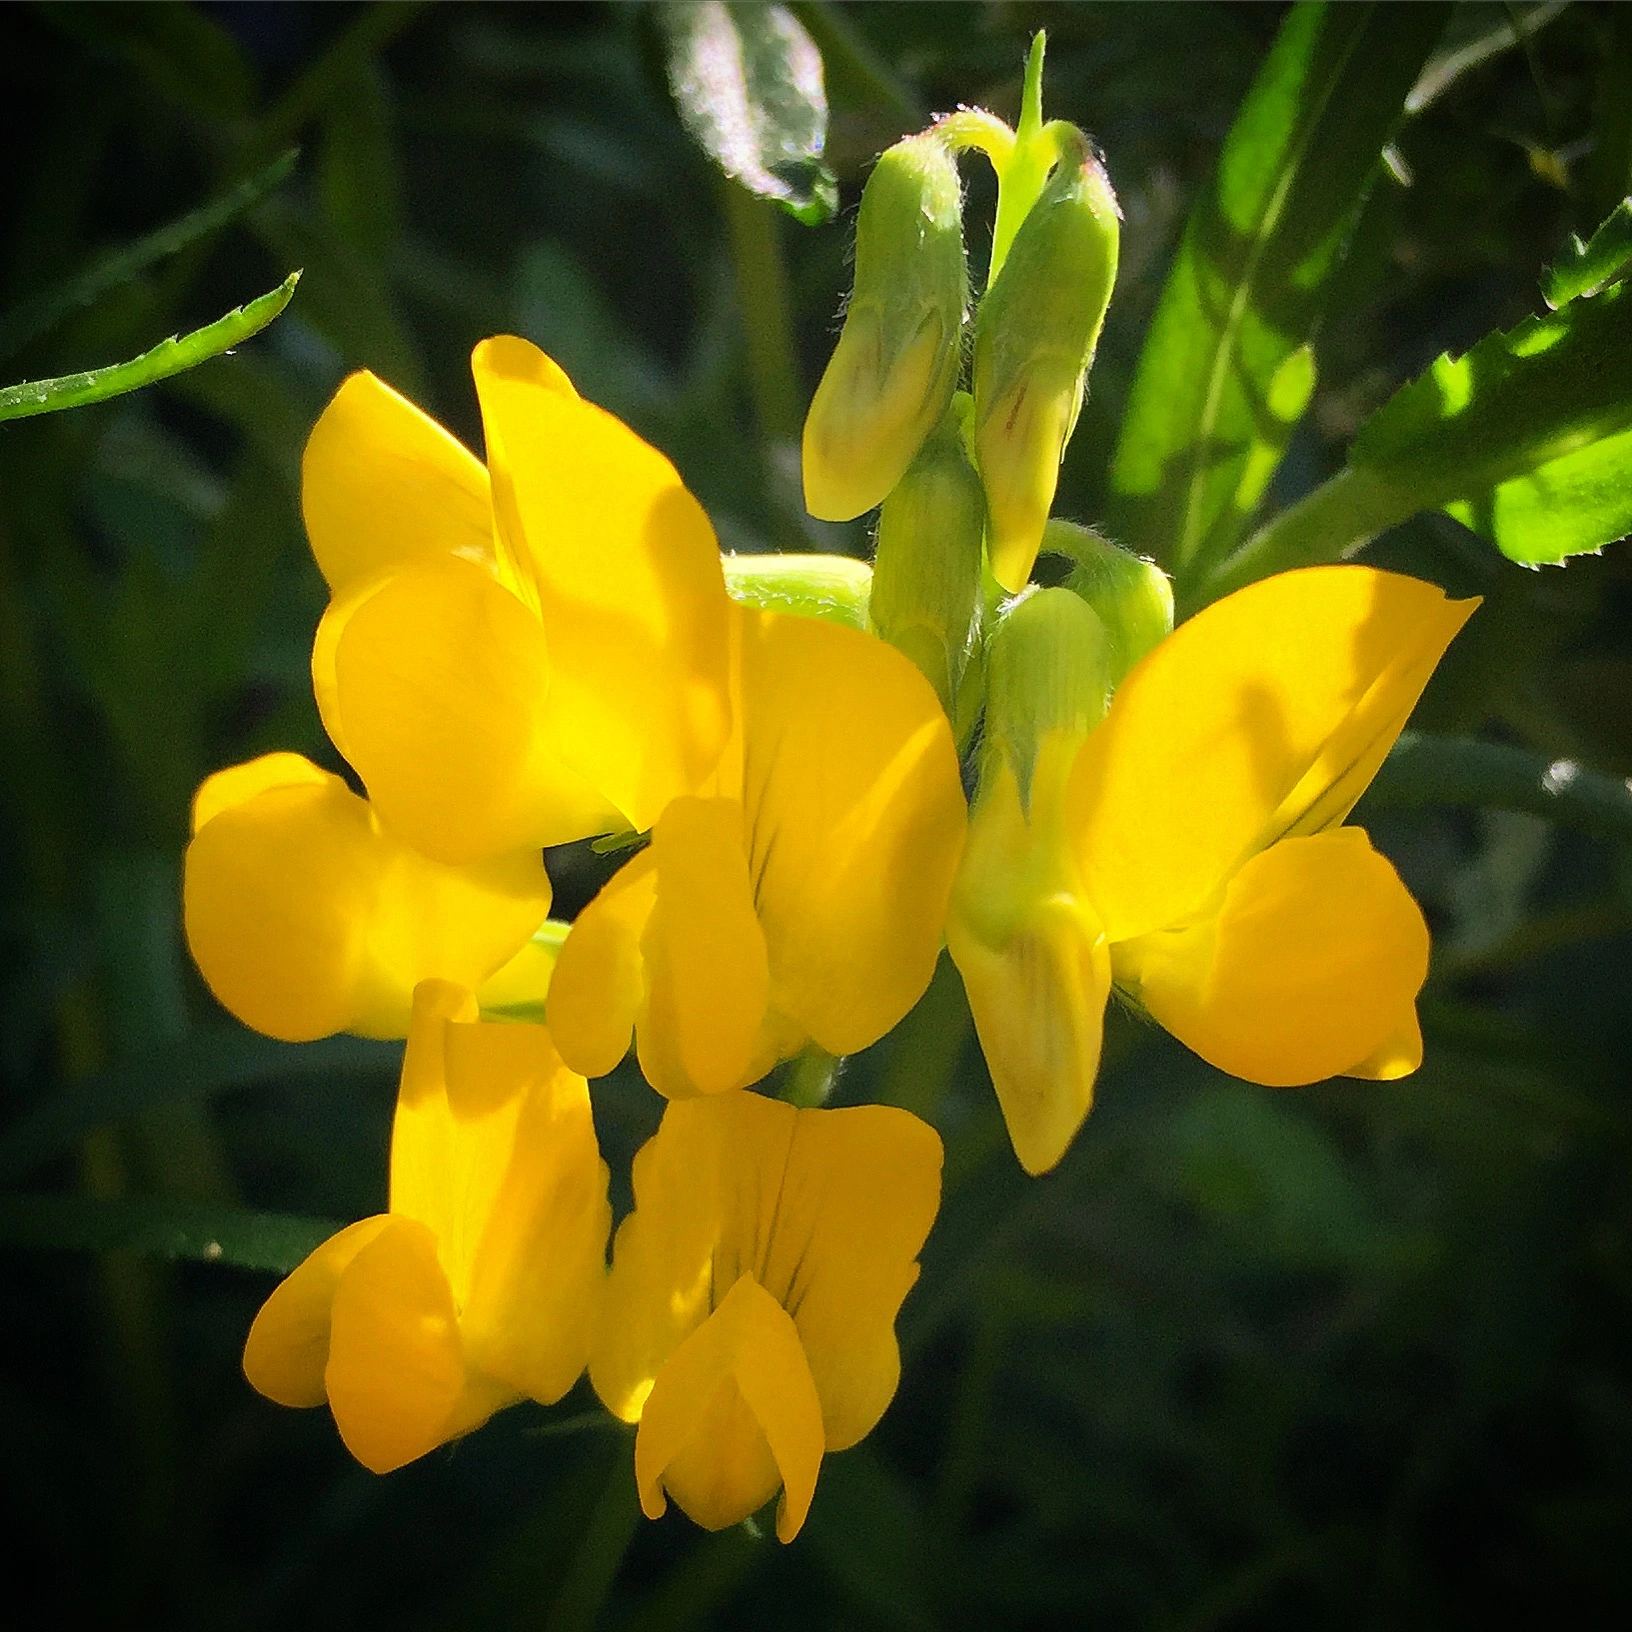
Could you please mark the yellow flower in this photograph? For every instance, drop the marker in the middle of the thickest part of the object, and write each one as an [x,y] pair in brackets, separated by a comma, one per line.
[481,1285]
[1191,851]
[749,1321]
[801,895]
[521,655]
[306,916]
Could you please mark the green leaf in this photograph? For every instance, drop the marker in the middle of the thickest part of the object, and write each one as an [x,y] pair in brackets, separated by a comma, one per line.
[1526,440]
[172,356]
[198,1066]
[161,1228]
[747,80]
[1429,770]
[1228,368]
[1584,269]
[34,317]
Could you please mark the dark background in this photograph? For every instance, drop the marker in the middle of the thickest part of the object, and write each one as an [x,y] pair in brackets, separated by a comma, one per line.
[1351,1357]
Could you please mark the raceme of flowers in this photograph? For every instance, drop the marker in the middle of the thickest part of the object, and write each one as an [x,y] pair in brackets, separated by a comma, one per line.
[542,649]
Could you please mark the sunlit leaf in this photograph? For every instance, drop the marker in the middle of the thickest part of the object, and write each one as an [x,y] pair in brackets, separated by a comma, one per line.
[1585,268]
[171,356]
[1526,439]
[747,80]
[34,317]
[1228,369]
[160,1228]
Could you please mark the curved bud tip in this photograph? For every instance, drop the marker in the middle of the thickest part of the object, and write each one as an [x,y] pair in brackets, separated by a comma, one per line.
[894,369]
[1034,341]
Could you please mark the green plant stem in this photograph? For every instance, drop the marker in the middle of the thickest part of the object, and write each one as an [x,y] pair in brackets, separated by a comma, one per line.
[1334,521]
[1428,770]
[578,1605]
[754,226]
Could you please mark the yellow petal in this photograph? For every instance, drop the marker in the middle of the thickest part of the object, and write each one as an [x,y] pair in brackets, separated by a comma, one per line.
[238,784]
[494,1150]
[1265,714]
[382,485]
[288,1344]
[826,1209]
[1399,1055]
[1035,964]
[1308,965]
[855,815]
[732,1415]
[599,984]
[705,954]
[306,918]
[396,1376]
[440,682]
[628,582]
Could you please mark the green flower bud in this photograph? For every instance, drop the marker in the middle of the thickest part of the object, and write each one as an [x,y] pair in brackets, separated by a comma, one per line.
[1034,339]
[834,588]
[1048,674]
[892,374]
[926,578]
[1133,596]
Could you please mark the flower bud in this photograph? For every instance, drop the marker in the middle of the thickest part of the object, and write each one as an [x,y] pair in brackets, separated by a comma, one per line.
[926,579]
[891,376]
[1047,671]
[1133,596]
[1034,339]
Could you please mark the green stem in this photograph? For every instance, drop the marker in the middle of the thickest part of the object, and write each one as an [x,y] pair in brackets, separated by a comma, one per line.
[1334,521]
[612,1524]
[754,226]
[1424,770]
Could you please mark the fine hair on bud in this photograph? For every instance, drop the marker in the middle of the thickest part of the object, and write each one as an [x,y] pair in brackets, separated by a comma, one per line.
[892,374]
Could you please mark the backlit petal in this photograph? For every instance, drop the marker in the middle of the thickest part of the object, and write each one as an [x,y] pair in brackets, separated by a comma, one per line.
[396,1376]
[826,1209]
[1035,964]
[855,816]
[1265,714]
[383,485]
[627,576]
[441,677]
[493,1149]
[1313,957]
[306,918]
[288,1344]
[706,971]
[599,984]
[1399,1055]
[732,1415]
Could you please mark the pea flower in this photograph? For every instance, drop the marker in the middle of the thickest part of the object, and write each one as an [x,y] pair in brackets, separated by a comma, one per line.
[480,1286]
[749,1317]
[306,916]
[522,655]
[1190,851]
[800,895]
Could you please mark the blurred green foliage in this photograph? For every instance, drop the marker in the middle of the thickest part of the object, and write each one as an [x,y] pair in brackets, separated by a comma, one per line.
[1359,1356]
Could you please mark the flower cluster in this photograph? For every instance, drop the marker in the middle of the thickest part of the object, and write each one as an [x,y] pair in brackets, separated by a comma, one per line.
[543,649]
